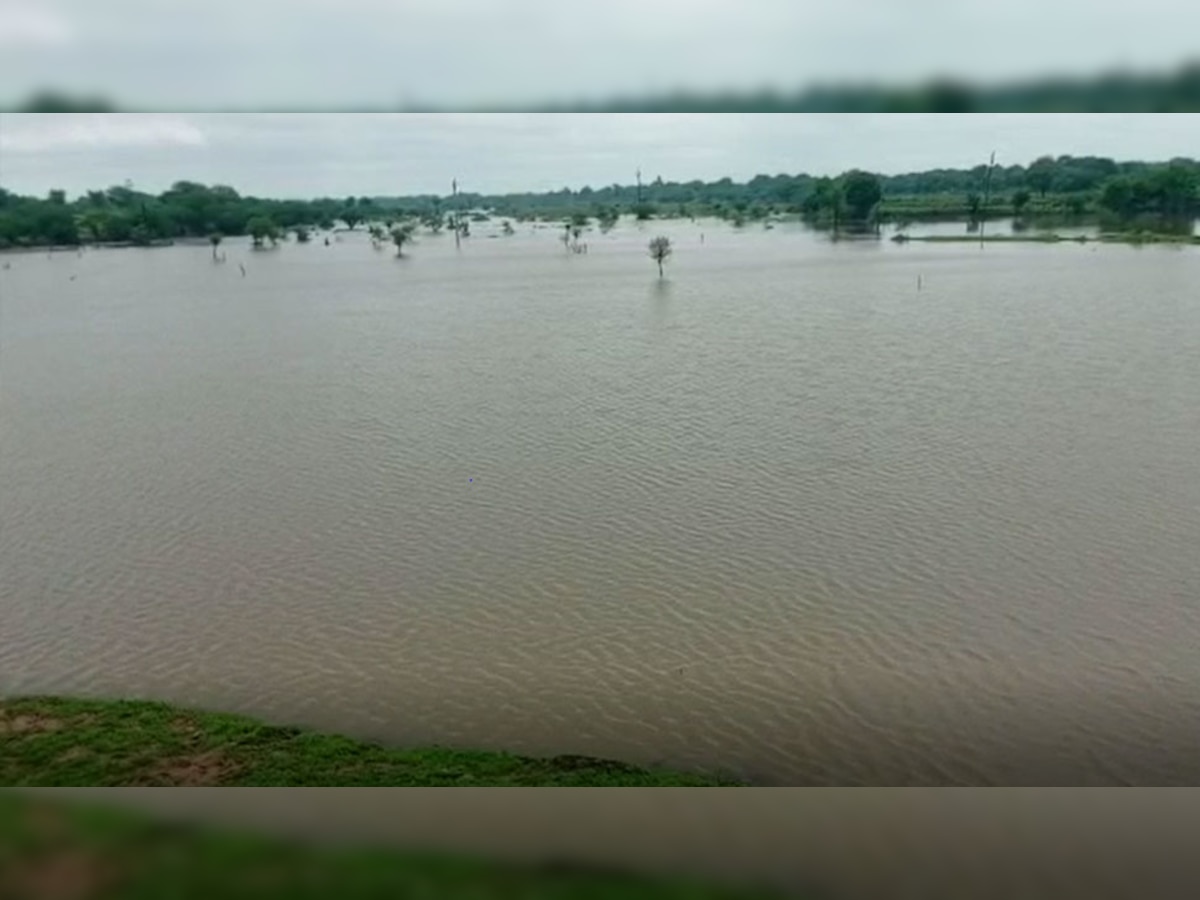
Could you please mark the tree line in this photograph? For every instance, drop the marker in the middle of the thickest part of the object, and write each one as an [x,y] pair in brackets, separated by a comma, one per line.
[1145,193]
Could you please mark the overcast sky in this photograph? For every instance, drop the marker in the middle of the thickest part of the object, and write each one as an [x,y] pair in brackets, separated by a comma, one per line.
[298,54]
[332,154]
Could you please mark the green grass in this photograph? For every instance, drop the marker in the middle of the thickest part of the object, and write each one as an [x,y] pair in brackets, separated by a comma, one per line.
[51,741]
[55,850]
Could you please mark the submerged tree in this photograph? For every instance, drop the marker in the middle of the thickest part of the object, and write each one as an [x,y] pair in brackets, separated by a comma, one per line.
[302,234]
[262,228]
[433,222]
[607,217]
[215,239]
[660,249]
[401,235]
[862,192]
[974,204]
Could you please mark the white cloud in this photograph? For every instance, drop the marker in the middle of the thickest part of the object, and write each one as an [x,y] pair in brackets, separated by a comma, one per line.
[26,25]
[42,133]
[307,155]
[322,53]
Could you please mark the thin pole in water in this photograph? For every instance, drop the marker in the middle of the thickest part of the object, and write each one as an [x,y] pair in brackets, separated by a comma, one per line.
[987,193]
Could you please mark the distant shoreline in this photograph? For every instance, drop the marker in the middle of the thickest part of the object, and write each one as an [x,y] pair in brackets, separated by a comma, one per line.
[105,245]
[1134,238]
[1051,238]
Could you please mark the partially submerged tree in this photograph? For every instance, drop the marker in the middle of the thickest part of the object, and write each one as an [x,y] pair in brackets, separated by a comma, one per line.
[660,249]
[262,228]
[302,234]
[433,222]
[974,204]
[401,235]
[1019,201]
[862,193]
[215,239]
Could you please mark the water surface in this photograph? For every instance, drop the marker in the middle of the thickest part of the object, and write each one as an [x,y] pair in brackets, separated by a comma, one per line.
[784,513]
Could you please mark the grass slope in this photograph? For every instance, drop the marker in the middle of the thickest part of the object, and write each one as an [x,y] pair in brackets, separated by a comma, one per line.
[50,741]
[51,851]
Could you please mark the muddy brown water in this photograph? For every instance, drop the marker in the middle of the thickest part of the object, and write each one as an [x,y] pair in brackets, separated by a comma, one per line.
[783,514]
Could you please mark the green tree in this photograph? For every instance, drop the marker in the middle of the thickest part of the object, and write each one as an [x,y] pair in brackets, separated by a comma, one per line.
[974,202]
[401,235]
[1118,196]
[1173,188]
[262,228]
[819,199]
[660,249]
[1019,201]
[433,222]
[862,192]
[1040,175]
[92,225]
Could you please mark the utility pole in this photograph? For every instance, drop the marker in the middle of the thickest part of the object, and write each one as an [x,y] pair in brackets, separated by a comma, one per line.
[457,225]
[987,193]
[639,187]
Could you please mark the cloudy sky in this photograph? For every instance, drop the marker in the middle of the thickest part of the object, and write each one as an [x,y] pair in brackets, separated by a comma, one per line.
[259,54]
[331,154]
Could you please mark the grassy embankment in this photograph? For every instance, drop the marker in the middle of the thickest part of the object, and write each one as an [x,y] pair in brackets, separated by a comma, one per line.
[48,741]
[54,850]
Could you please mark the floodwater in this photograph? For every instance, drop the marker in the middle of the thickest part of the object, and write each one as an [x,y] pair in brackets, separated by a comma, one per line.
[804,512]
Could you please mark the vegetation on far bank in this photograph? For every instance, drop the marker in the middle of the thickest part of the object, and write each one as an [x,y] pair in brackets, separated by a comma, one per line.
[51,741]
[54,850]
[1155,196]
[1051,237]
